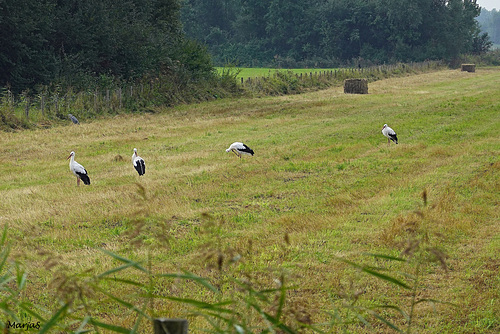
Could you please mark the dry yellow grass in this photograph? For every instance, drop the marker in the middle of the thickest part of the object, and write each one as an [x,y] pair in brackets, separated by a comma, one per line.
[322,184]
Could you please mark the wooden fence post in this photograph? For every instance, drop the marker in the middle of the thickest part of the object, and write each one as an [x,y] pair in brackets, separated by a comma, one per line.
[27,106]
[120,98]
[42,105]
[10,99]
[95,100]
[170,326]
[108,101]
[56,103]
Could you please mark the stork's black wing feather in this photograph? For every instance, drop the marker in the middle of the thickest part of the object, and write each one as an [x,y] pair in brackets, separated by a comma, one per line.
[84,177]
[140,166]
[393,137]
[246,149]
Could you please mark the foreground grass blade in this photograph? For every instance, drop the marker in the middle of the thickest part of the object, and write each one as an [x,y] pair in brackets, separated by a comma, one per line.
[4,235]
[117,269]
[54,320]
[124,281]
[386,278]
[113,328]
[191,276]
[214,325]
[393,307]
[385,321]
[128,305]
[387,257]
[4,256]
[27,307]
[84,323]
[282,299]
[201,305]
[377,274]
[21,277]
[363,320]
[125,260]
[274,321]
[4,307]
[139,318]
[435,301]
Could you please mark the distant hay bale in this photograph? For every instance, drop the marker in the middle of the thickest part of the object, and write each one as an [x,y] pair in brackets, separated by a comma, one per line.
[356,86]
[469,67]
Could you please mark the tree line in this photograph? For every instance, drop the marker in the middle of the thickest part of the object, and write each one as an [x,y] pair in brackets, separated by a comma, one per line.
[85,43]
[489,22]
[329,33]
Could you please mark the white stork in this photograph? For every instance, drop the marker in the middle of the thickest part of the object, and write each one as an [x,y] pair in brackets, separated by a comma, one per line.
[138,162]
[78,170]
[239,149]
[390,134]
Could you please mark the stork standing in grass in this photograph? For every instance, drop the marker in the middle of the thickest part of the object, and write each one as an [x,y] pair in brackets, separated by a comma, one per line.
[239,149]
[390,134]
[138,162]
[78,170]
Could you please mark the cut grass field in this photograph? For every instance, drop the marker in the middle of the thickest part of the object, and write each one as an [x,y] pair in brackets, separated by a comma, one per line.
[323,185]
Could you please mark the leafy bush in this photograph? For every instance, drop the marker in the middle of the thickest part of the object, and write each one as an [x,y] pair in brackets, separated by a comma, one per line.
[491,58]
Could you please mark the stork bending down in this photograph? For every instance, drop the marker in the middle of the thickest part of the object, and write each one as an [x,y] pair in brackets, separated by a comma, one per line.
[239,149]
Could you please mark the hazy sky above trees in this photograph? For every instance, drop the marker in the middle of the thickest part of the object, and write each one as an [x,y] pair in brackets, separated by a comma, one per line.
[489,4]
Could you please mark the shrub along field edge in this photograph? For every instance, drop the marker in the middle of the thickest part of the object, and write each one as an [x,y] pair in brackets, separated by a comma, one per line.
[50,106]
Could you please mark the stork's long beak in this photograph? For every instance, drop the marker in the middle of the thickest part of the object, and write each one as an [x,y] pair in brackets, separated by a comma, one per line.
[68,157]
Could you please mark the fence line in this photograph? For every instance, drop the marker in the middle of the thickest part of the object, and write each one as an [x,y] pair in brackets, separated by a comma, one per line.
[91,103]
[346,73]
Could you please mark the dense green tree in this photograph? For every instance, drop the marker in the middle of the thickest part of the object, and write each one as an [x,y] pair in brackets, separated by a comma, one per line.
[289,26]
[206,20]
[26,54]
[250,23]
[377,31]
[76,41]
[489,22]
[121,38]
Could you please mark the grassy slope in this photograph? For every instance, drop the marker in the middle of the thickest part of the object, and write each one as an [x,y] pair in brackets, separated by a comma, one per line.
[323,176]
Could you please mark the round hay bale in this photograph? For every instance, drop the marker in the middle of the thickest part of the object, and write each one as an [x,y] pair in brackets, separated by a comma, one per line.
[469,67]
[356,86]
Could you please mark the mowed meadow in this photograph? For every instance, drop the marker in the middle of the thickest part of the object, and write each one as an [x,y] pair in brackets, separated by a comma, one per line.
[286,233]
